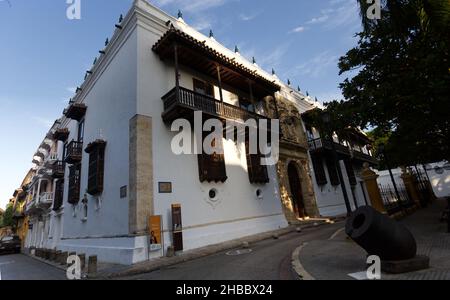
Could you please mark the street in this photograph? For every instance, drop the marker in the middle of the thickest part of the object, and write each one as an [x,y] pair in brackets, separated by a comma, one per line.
[22,267]
[266,260]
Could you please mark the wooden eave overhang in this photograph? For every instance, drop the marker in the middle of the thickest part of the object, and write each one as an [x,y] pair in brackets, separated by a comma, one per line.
[199,56]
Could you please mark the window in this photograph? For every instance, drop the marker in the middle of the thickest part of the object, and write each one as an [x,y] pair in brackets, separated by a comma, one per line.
[244,103]
[332,171]
[319,170]
[96,151]
[204,88]
[59,193]
[81,131]
[212,168]
[257,173]
[74,184]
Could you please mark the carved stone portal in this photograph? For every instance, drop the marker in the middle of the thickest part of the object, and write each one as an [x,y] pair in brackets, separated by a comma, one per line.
[297,194]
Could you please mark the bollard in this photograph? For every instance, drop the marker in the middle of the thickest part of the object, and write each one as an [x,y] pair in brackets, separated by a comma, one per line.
[170,251]
[57,256]
[63,258]
[52,255]
[92,264]
[82,257]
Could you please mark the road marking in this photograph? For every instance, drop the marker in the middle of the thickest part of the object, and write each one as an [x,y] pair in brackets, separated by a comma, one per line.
[336,233]
[7,263]
[359,276]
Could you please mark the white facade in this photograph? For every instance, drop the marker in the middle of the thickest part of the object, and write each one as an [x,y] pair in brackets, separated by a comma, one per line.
[130,80]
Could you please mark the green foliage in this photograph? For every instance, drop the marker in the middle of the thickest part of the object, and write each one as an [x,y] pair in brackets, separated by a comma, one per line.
[7,218]
[402,86]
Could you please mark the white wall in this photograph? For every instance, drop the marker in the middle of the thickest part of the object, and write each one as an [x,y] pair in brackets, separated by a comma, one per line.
[238,212]
[111,103]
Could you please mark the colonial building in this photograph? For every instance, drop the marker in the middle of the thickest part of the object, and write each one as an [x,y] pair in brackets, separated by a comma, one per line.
[353,149]
[106,165]
[20,200]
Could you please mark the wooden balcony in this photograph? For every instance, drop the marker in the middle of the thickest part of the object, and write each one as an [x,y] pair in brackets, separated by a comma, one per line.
[185,102]
[74,152]
[58,169]
[61,134]
[320,145]
[365,157]
[75,111]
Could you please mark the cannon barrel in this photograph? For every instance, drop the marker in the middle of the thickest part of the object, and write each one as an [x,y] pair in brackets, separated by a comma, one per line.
[380,235]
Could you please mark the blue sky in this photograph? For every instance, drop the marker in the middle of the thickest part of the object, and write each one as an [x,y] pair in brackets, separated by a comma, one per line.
[43,55]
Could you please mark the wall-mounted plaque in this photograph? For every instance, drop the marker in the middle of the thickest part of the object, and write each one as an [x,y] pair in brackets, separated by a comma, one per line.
[165,187]
[177,227]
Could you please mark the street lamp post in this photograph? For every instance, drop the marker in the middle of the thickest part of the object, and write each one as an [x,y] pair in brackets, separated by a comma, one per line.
[329,135]
[382,150]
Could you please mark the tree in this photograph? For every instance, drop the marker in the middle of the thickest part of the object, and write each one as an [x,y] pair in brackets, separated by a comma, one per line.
[7,218]
[402,86]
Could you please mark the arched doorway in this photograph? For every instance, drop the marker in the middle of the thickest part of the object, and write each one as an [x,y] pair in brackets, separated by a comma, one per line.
[296,190]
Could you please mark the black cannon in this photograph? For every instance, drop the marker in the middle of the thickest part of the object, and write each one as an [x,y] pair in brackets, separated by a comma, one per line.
[380,235]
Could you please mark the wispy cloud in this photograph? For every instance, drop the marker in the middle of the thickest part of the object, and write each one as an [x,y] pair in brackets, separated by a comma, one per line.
[248,17]
[298,29]
[47,123]
[71,89]
[318,65]
[338,13]
[192,5]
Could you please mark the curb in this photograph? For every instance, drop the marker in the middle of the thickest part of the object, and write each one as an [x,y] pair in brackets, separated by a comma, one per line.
[297,266]
[149,266]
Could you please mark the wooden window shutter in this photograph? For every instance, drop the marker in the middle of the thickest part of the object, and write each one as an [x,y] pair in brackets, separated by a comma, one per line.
[212,168]
[96,152]
[319,170]
[74,184]
[350,172]
[332,171]
[257,173]
[59,194]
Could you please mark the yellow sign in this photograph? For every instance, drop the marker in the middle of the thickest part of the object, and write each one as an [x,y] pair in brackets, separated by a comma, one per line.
[155,233]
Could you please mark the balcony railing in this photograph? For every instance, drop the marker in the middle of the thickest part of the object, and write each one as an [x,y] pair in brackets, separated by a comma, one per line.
[74,152]
[321,144]
[58,169]
[188,101]
[45,199]
[51,158]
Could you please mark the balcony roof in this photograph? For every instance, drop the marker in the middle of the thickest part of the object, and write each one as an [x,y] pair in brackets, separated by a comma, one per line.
[201,56]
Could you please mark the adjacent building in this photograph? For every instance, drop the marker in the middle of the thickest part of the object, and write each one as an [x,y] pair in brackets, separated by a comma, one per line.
[346,154]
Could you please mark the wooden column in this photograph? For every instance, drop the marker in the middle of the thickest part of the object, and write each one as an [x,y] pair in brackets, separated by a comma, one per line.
[252,100]
[177,73]
[219,79]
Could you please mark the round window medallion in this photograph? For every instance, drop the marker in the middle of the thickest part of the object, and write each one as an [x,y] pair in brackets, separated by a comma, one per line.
[439,170]
[213,194]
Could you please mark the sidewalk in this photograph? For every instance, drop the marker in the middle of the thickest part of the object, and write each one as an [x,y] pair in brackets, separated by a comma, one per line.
[338,256]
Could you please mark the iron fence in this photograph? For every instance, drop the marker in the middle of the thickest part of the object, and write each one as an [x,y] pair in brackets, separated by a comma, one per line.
[392,202]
